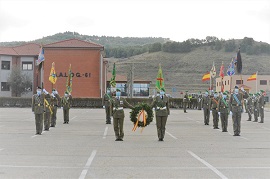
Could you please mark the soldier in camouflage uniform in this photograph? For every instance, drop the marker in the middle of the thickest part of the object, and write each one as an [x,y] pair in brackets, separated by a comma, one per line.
[199,101]
[66,105]
[261,106]
[185,102]
[161,105]
[214,107]
[106,102]
[223,111]
[236,108]
[118,104]
[38,109]
[55,100]
[250,106]
[255,106]
[48,110]
[206,108]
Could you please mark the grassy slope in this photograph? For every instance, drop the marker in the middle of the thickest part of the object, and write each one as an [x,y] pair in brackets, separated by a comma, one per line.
[184,71]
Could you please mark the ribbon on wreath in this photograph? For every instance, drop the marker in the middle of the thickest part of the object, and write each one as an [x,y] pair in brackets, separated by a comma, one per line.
[143,114]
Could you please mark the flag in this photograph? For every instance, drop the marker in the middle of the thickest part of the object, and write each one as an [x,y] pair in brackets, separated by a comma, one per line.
[160,80]
[231,71]
[213,71]
[40,57]
[252,77]
[239,62]
[221,72]
[206,76]
[113,82]
[53,77]
[69,80]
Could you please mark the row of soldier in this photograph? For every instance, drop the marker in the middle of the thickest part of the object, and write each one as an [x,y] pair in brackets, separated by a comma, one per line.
[44,106]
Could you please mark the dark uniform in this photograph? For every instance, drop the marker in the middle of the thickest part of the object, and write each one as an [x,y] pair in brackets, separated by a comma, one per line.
[223,109]
[118,104]
[206,109]
[106,102]
[185,102]
[38,109]
[261,106]
[48,111]
[249,107]
[161,105]
[214,107]
[55,100]
[236,106]
[66,105]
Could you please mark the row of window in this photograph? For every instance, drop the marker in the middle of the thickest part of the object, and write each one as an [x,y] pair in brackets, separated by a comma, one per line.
[5,65]
[239,82]
[138,89]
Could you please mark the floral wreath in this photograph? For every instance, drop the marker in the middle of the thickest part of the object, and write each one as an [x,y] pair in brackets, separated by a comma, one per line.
[143,110]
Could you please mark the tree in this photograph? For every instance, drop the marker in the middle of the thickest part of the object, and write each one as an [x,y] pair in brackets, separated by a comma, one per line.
[156,47]
[19,82]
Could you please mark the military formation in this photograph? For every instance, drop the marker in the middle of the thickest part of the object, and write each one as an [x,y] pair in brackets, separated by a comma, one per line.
[44,106]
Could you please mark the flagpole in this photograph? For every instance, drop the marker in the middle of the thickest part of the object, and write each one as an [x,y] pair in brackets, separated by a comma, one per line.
[256,81]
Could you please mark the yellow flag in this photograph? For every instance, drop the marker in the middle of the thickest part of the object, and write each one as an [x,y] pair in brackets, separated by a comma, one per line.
[53,77]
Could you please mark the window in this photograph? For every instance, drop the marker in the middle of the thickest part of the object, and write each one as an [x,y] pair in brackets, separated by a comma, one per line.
[5,65]
[217,83]
[239,82]
[263,82]
[141,89]
[27,65]
[228,82]
[5,86]
[225,83]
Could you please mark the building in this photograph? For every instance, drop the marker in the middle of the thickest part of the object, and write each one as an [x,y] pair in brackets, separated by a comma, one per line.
[86,59]
[140,87]
[262,83]
[23,56]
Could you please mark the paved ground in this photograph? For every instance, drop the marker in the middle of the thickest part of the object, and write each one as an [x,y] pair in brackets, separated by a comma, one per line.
[85,148]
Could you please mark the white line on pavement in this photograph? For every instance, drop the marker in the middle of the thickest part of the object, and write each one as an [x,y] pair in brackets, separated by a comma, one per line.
[105,132]
[73,118]
[18,166]
[208,165]
[266,128]
[1,150]
[38,135]
[87,165]
[171,135]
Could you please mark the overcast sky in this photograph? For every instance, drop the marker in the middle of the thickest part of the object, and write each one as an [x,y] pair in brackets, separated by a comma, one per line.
[179,20]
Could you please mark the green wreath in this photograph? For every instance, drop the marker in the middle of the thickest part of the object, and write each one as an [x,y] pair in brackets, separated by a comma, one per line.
[135,112]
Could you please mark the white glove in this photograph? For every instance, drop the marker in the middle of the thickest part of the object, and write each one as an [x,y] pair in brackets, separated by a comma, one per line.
[230,112]
[103,107]
[242,89]
[262,106]
[46,92]
[61,107]
[210,111]
[219,113]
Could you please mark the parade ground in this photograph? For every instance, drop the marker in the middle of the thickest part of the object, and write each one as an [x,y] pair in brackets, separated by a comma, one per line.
[86,148]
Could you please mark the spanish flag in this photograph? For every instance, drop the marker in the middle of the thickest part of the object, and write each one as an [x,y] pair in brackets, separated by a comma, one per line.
[252,77]
[206,76]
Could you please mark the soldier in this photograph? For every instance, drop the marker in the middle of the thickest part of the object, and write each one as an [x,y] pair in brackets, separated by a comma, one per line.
[223,111]
[161,105]
[66,105]
[48,110]
[206,108]
[185,102]
[199,99]
[106,102]
[236,108]
[118,104]
[55,100]
[255,106]
[38,109]
[249,101]
[261,106]
[214,108]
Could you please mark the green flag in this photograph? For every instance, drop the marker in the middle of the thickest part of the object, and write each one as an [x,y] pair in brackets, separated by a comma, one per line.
[112,82]
[160,80]
[69,80]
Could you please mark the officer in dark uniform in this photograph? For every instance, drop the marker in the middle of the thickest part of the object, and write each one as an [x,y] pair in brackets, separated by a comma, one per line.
[236,108]
[106,102]
[38,109]
[223,111]
[55,100]
[161,105]
[214,108]
[261,106]
[206,108]
[66,105]
[185,102]
[118,104]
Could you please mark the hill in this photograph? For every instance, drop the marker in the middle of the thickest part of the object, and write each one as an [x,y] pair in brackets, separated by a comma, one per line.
[184,71]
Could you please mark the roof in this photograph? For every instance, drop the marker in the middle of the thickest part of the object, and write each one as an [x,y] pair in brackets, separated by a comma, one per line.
[30,49]
[74,43]
[122,78]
